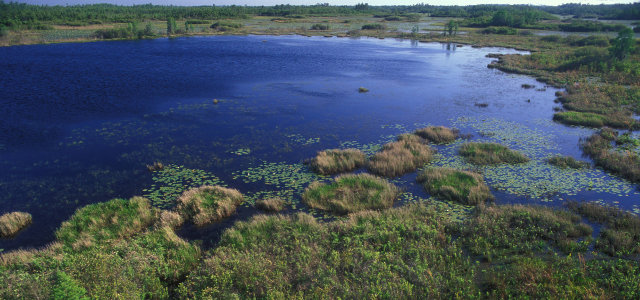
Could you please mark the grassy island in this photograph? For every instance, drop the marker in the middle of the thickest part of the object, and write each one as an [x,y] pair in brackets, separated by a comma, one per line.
[490,154]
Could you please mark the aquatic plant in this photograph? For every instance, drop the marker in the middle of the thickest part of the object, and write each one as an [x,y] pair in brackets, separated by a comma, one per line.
[271,204]
[12,223]
[621,233]
[106,222]
[351,193]
[527,86]
[490,154]
[319,27]
[405,155]
[334,161]
[564,162]
[375,26]
[173,180]
[438,134]
[450,184]
[363,90]
[208,204]
[580,118]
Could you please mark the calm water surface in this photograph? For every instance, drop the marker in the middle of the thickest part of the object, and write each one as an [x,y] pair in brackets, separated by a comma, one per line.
[79,122]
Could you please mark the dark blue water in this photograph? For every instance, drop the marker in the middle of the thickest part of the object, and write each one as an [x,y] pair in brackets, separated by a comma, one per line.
[79,122]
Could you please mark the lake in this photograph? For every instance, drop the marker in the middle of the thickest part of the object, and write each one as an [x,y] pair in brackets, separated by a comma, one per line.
[80,122]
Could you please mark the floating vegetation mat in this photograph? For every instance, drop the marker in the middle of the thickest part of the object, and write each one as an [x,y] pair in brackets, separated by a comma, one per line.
[370,148]
[286,181]
[536,179]
[242,151]
[302,140]
[172,180]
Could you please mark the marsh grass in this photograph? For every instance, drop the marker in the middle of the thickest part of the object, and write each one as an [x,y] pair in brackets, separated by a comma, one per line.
[403,156]
[599,147]
[363,90]
[335,161]
[500,231]
[156,166]
[461,186]
[208,204]
[621,233]
[106,222]
[490,154]
[351,193]
[439,134]
[14,222]
[580,118]
[567,162]
[275,204]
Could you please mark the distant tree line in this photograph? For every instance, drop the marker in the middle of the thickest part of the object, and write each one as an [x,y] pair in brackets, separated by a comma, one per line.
[609,11]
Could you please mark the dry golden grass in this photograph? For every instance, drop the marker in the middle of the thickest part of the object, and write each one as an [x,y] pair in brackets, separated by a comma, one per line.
[12,223]
[169,219]
[208,204]
[334,161]
[438,134]
[406,155]
[271,204]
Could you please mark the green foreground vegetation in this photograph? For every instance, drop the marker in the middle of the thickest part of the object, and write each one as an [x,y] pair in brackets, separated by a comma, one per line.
[414,251]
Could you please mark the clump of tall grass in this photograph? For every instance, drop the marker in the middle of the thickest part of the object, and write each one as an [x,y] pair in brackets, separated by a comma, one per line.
[351,193]
[621,233]
[156,166]
[319,27]
[490,154]
[438,134]
[461,186]
[363,90]
[275,204]
[334,161]
[113,220]
[403,156]
[208,204]
[12,223]
[566,162]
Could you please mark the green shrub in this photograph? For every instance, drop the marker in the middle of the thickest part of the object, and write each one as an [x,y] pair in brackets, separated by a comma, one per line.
[375,26]
[500,30]
[67,288]
[351,193]
[319,27]
[208,204]
[490,154]
[406,155]
[461,186]
[334,161]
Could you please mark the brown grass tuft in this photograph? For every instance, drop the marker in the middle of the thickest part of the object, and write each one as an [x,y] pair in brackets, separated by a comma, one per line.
[271,204]
[12,223]
[406,155]
[438,134]
[208,204]
[334,161]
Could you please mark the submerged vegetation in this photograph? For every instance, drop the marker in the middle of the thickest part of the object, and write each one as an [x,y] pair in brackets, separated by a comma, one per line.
[335,161]
[12,223]
[462,186]
[351,193]
[490,154]
[405,155]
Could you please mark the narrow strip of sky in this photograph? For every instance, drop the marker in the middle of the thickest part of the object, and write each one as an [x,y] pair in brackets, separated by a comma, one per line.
[308,2]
